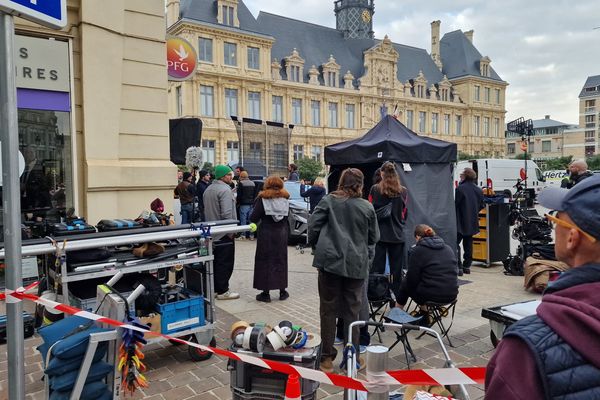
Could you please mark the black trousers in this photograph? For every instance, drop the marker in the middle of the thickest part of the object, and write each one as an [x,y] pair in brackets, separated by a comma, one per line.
[395,252]
[467,242]
[224,253]
[339,297]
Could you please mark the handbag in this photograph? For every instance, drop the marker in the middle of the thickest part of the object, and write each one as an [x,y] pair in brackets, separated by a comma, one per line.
[384,212]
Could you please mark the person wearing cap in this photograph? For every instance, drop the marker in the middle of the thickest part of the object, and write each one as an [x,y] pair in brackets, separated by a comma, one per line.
[219,205]
[186,191]
[468,200]
[555,353]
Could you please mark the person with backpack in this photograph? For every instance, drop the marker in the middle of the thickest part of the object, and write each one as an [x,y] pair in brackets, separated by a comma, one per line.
[389,199]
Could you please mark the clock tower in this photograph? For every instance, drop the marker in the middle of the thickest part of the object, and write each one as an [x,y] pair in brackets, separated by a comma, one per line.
[355,18]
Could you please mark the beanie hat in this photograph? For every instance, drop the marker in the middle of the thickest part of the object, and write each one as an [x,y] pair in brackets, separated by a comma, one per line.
[157,205]
[221,171]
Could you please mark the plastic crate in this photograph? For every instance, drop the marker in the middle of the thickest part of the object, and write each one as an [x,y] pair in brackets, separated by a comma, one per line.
[253,382]
[182,315]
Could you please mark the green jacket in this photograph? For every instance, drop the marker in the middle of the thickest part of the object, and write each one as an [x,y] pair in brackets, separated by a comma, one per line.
[341,230]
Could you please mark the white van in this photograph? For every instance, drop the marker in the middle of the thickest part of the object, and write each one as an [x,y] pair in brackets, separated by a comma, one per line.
[554,177]
[502,174]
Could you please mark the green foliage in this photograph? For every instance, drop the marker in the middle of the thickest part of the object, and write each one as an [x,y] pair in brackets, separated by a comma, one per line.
[557,163]
[594,163]
[308,168]
[522,156]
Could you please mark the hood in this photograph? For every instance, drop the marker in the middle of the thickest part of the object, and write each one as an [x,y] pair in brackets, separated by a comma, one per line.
[277,208]
[433,242]
[571,307]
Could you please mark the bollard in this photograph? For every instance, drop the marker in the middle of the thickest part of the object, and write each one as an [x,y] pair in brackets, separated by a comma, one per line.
[377,364]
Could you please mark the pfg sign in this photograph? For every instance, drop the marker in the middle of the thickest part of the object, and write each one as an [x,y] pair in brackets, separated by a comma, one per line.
[181,59]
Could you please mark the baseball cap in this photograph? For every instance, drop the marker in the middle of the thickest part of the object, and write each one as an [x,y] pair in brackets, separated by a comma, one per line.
[221,171]
[581,203]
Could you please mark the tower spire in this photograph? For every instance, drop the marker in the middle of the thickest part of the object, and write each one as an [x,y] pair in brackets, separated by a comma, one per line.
[354,18]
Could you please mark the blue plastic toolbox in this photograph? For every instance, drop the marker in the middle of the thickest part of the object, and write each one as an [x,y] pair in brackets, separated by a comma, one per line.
[181,315]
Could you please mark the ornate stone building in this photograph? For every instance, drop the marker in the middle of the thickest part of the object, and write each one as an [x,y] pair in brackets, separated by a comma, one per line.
[330,84]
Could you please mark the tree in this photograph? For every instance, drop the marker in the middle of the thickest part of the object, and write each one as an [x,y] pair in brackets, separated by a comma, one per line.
[209,167]
[557,163]
[308,168]
[522,156]
[465,156]
[593,163]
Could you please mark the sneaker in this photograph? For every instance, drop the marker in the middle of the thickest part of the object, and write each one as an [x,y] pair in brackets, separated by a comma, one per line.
[283,294]
[228,295]
[264,297]
[467,270]
[460,272]
[362,349]
[338,341]
[326,365]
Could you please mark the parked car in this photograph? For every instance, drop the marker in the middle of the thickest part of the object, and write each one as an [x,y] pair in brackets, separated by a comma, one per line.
[298,216]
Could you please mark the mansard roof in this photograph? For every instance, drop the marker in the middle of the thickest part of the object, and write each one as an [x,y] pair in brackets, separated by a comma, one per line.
[460,57]
[206,11]
[315,43]
[591,83]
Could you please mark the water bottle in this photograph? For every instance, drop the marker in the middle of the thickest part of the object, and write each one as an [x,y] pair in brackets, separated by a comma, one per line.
[203,250]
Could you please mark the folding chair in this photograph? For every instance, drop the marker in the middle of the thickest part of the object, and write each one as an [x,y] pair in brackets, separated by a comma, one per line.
[398,316]
[436,312]
[379,296]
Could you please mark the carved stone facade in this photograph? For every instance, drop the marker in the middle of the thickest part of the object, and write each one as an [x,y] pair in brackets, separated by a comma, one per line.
[332,102]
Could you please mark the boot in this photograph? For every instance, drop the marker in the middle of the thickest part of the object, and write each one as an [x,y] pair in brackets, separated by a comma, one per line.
[326,365]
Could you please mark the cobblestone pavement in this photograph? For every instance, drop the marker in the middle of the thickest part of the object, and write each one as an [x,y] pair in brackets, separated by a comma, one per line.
[172,375]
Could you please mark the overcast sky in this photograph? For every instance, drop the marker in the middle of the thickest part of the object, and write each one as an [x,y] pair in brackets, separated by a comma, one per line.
[544,49]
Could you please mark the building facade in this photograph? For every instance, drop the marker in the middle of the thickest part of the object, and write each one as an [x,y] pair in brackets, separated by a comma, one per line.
[549,140]
[552,139]
[330,84]
[92,111]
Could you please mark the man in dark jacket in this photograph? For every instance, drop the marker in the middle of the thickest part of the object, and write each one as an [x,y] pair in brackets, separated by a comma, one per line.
[186,191]
[555,354]
[468,200]
[315,193]
[245,194]
[578,171]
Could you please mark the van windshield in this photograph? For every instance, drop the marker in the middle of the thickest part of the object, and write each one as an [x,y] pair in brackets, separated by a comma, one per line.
[540,176]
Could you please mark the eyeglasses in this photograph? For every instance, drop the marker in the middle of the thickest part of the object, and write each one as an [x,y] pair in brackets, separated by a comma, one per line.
[557,221]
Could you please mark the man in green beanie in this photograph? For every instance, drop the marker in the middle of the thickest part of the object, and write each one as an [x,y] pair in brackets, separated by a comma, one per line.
[219,205]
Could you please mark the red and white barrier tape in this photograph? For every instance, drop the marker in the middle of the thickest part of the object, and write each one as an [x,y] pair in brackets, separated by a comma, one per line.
[440,376]
[12,299]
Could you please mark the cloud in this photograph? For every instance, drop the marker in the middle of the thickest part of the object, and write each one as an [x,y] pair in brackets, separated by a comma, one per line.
[544,50]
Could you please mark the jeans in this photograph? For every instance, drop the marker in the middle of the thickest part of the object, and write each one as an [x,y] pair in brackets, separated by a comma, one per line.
[187,213]
[245,211]
[467,242]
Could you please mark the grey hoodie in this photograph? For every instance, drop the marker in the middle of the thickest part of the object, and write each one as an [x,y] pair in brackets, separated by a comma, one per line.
[277,208]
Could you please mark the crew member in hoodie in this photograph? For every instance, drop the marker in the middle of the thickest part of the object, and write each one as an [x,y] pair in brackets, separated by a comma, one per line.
[271,210]
[432,274]
[555,353]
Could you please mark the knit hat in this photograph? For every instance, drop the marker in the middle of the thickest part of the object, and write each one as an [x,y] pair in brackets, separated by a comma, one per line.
[221,171]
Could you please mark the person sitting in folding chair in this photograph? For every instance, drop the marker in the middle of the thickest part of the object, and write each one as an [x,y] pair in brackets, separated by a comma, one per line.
[432,274]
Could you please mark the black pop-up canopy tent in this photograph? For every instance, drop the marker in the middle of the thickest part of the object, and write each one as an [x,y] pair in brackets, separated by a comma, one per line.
[425,166]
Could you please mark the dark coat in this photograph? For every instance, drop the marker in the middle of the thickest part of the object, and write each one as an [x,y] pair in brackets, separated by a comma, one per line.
[270,259]
[314,194]
[432,274]
[200,188]
[341,231]
[245,192]
[468,200]
[391,228]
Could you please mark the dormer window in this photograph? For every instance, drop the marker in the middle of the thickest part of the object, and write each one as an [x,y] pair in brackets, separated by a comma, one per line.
[484,66]
[420,85]
[227,13]
[444,89]
[294,65]
[331,72]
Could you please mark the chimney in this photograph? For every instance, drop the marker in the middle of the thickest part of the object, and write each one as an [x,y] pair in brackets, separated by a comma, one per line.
[469,35]
[547,117]
[435,44]
[172,12]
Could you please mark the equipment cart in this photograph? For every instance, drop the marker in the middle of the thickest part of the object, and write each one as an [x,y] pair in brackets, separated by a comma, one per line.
[501,317]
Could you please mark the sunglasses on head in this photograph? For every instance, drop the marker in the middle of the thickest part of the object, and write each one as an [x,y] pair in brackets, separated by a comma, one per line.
[554,220]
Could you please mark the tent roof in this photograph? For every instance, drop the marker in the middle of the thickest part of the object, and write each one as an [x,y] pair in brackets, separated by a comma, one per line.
[390,140]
